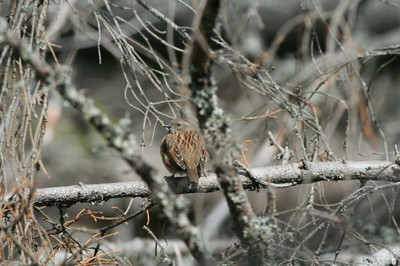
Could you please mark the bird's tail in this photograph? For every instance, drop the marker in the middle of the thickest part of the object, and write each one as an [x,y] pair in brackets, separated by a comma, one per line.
[193,175]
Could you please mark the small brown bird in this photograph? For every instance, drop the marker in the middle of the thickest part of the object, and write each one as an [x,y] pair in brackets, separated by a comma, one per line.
[183,149]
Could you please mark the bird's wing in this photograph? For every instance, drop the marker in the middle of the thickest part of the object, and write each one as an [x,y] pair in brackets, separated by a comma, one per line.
[175,150]
[192,149]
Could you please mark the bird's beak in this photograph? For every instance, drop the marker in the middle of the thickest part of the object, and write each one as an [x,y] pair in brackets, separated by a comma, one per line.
[168,127]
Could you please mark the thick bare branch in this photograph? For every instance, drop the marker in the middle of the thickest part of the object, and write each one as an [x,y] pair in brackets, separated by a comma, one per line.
[276,176]
[94,193]
[222,148]
[287,175]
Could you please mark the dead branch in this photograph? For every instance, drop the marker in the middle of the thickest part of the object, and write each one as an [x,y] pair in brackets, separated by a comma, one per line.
[277,176]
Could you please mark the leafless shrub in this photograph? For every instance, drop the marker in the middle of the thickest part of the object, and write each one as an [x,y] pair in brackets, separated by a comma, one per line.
[299,90]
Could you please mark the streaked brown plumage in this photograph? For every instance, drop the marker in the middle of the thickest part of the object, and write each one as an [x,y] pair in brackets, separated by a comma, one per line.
[183,149]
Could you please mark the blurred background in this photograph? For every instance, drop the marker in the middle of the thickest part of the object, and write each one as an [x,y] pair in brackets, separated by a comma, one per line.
[321,76]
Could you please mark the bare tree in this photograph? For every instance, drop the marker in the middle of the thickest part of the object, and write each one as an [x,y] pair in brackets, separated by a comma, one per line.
[297,102]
